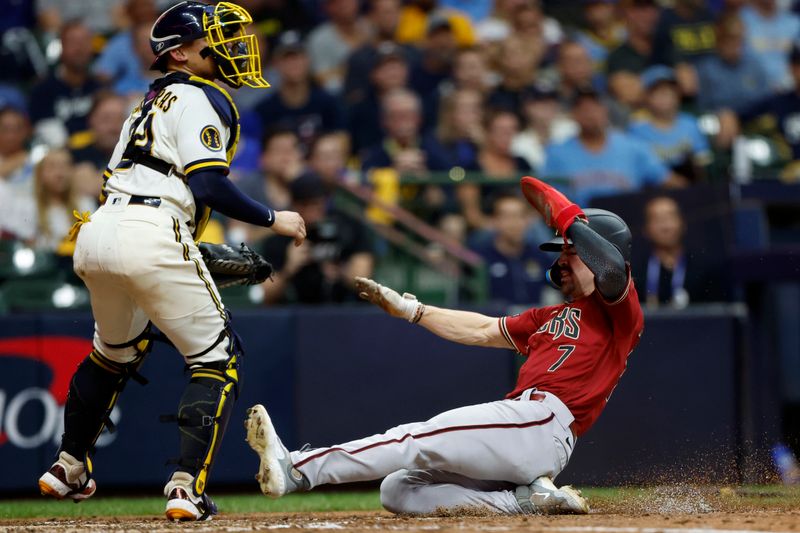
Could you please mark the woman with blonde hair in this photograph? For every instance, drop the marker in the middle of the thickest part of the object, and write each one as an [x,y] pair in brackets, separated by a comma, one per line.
[45,215]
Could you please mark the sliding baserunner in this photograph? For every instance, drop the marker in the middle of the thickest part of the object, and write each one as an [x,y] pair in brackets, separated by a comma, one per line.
[499,456]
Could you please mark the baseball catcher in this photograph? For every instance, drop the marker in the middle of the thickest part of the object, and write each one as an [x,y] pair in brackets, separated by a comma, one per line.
[138,257]
[501,456]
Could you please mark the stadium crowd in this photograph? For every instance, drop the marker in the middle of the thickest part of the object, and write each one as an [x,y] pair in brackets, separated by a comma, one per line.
[607,96]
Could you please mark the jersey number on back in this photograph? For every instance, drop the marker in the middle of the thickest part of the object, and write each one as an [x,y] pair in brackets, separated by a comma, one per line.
[143,137]
[566,350]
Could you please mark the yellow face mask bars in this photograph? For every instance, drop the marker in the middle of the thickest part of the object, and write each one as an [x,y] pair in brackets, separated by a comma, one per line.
[236,51]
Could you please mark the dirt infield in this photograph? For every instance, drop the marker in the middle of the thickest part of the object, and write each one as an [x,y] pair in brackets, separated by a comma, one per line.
[371,522]
[670,511]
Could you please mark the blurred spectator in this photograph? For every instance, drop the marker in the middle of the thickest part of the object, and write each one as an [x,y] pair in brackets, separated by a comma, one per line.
[281,163]
[469,72]
[574,70]
[673,135]
[600,161]
[383,16]
[20,56]
[406,150]
[328,159]
[530,25]
[664,272]
[545,122]
[404,147]
[106,119]
[66,95]
[323,268]
[417,17]
[779,112]
[99,15]
[133,76]
[330,43]
[298,103]
[731,76]
[495,160]
[272,17]
[44,218]
[684,34]
[518,63]
[460,127]
[499,25]
[770,32]
[515,267]
[15,133]
[389,72]
[632,57]
[434,66]
[121,62]
[603,33]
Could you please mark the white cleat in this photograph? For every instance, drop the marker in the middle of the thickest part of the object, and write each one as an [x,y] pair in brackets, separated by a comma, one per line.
[67,478]
[276,475]
[182,504]
[543,497]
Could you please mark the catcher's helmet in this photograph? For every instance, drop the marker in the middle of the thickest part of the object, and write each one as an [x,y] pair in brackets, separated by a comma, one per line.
[223,26]
[609,225]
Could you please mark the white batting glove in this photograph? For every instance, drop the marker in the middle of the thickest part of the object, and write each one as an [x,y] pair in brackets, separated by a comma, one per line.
[406,306]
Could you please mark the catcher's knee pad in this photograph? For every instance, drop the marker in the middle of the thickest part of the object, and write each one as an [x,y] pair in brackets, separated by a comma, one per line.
[93,392]
[204,411]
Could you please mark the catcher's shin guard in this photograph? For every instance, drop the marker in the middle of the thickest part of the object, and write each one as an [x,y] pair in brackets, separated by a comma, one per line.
[93,392]
[204,411]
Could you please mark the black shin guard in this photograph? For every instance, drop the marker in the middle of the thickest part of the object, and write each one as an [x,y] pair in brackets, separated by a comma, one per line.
[93,392]
[203,414]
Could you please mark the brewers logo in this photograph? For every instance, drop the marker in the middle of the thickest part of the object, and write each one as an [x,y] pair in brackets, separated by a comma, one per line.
[211,138]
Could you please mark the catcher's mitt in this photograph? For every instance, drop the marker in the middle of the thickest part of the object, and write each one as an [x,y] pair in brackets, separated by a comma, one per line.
[230,267]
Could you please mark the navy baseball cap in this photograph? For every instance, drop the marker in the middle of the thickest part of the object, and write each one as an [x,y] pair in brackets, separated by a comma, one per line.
[307,186]
[387,51]
[539,91]
[289,42]
[656,74]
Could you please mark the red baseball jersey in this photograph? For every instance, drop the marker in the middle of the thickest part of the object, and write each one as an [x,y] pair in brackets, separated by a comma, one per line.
[577,350]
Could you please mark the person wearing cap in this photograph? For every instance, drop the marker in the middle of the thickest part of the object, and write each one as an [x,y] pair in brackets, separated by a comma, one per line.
[731,76]
[330,43]
[322,269]
[673,135]
[600,161]
[383,17]
[545,122]
[389,71]
[299,103]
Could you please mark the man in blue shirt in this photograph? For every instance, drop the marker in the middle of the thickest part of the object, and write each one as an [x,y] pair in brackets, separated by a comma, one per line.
[730,76]
[600,161]
[771,31]
[674,136]
[515,267]
[298,103]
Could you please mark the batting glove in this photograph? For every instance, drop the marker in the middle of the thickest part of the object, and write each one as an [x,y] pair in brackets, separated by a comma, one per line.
[406,306]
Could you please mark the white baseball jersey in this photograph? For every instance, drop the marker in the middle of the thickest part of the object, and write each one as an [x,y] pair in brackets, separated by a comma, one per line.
[182,129]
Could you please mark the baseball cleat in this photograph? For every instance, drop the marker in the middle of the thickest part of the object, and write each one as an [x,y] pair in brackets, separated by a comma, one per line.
[543,497]
[67,478]
[182,505]
[276,473]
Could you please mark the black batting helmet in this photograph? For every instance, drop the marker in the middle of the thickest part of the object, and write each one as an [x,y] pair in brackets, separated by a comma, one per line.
[609,225]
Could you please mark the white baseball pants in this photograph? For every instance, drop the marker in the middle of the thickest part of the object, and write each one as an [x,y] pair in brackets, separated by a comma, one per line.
[141,263]
[470,457]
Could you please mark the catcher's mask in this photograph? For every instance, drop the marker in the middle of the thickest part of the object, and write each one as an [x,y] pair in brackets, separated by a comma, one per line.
[223,26]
